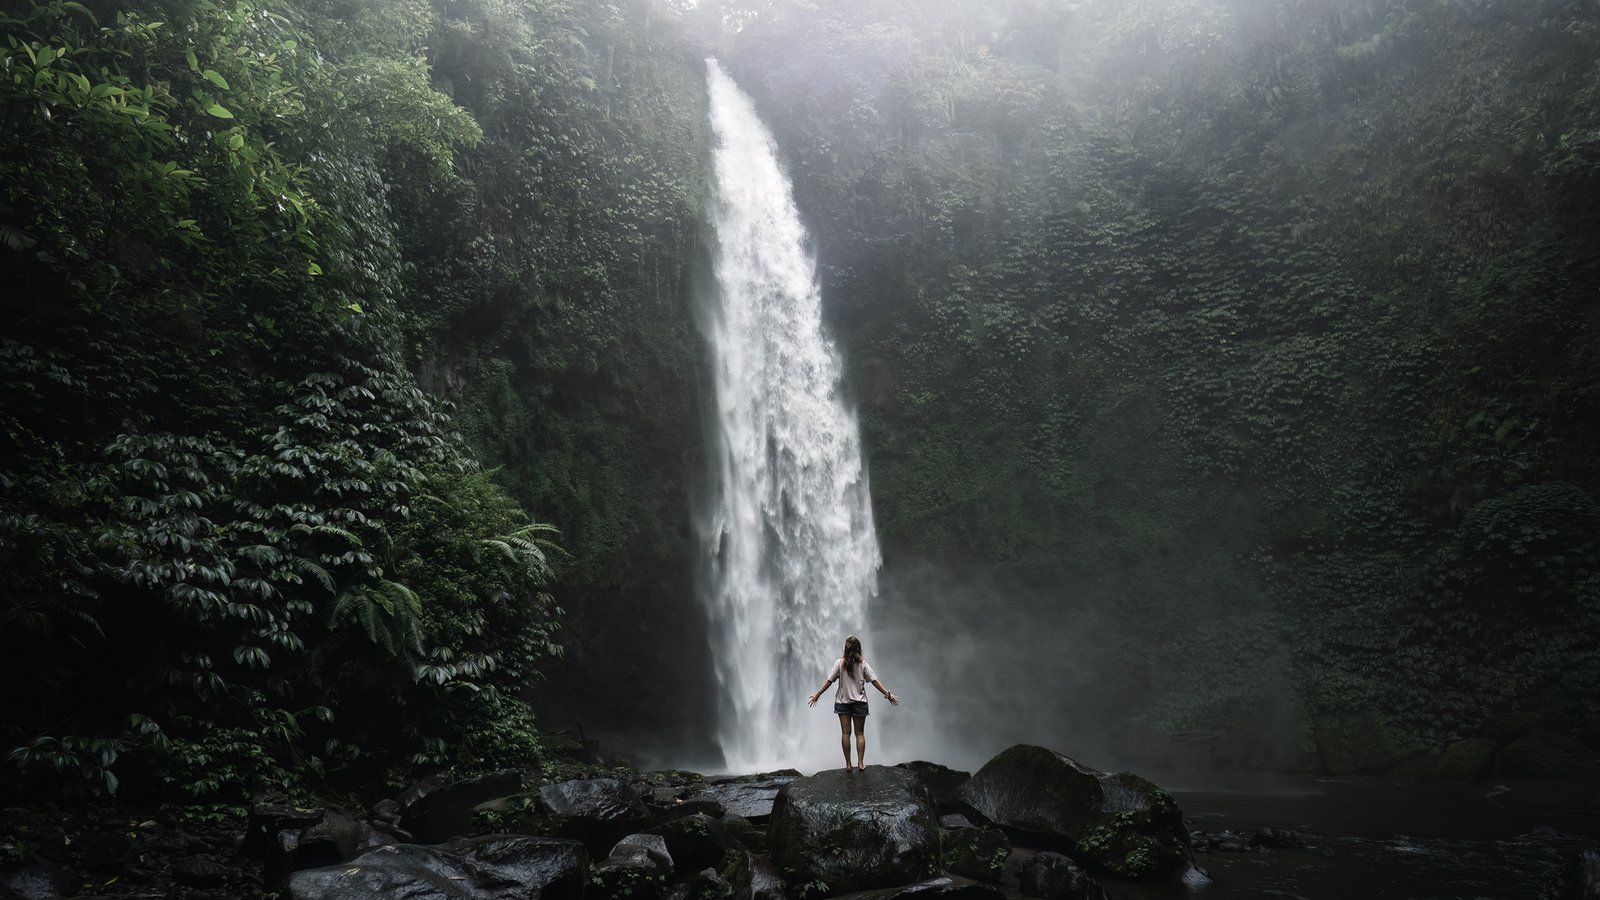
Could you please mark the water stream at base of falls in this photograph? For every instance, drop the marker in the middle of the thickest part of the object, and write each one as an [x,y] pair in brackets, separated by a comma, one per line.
[786,527]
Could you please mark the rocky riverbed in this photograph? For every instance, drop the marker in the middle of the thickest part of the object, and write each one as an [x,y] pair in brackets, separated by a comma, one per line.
[1030,823]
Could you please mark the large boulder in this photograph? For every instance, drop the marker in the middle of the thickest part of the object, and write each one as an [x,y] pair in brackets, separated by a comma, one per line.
[750,876]
[943,783]
[446,810]
[495,867]
[978,853]
[696,841]
[841,831]
[1056,877]
[1579,880]
[285,838]
[748,796]
[36,881]
[597,811]
[1122,822]
[637,868]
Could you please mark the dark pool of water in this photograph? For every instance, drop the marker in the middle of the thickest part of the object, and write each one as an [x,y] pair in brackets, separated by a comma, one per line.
[1378,839]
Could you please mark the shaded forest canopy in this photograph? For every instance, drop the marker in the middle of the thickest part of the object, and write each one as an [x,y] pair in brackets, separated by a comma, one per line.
[1263,335]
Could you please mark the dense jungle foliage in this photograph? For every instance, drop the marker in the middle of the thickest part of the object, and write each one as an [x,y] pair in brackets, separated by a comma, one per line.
[1266,330]
[243,546]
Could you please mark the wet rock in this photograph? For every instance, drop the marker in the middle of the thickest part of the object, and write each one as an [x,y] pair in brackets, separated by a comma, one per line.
[750,796]
[597,811]
[336,837]
[1120,822]
[853,831]
[332,836]
[637,867]
[1035,791]
[36,881]
[446,811]
[750,876]
[954,820]
[1277,839]
[1544,754]
[387,811]
[942,783]
[978,853]
[709,884]
[696,841]
[271,816]
[1194,876]
[418,790]
[1230,842]
[1053,876]
[496,867]
[766,883]
[943,888]
[651,848]
[200,873]
[745,833]
[709,806]
[1578,880]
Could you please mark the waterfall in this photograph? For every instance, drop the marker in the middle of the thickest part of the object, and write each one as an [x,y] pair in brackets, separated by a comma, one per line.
[791,554]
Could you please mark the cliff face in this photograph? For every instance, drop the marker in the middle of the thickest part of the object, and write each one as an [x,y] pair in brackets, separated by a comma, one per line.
[1206,331]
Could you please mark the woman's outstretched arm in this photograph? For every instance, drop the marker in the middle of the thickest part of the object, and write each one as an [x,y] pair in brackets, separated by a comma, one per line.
[820,690]
[893,700]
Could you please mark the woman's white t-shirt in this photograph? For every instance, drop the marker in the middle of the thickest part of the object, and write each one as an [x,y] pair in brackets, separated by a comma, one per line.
[851,689]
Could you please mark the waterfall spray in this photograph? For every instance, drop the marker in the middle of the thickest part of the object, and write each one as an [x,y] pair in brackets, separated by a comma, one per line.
[786,529]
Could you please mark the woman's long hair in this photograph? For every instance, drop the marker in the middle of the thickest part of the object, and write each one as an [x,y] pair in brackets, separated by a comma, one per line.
[852,656]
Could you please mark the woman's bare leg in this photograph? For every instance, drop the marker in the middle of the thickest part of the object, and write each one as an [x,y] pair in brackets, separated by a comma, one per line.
[844,738]
[861,742]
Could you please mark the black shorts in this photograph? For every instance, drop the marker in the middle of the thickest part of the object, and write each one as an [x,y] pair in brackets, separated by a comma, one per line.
[857,709]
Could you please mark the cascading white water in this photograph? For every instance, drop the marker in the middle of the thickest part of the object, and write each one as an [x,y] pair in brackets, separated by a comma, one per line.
[792,553]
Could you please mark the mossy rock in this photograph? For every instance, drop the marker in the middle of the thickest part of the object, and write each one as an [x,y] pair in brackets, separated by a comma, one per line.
[1122,823]
[696,841]
[1122,845]
[977,853]
[609,881]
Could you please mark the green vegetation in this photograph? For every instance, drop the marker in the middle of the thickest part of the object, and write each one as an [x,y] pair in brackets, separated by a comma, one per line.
[243,548]
[1260,336]
[1227,329]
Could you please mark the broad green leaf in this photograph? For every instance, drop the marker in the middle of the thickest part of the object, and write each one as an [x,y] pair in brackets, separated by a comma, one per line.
[219,111]
[215,78]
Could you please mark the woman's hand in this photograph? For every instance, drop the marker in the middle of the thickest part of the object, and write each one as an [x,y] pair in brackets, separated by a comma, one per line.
[893,700]
[813,700]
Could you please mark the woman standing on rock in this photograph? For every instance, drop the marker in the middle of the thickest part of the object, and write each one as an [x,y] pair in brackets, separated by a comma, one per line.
[850,701]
